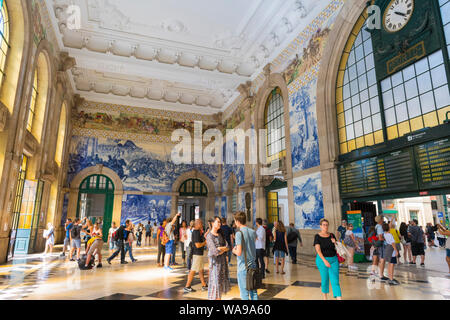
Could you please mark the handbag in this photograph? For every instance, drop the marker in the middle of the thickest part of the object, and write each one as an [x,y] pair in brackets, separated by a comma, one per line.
[254,275]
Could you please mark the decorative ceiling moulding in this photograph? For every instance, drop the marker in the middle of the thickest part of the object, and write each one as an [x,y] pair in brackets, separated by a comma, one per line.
[288,15]
[92,106]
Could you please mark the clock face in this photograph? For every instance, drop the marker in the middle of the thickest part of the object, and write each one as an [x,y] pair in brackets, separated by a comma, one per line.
[397,14]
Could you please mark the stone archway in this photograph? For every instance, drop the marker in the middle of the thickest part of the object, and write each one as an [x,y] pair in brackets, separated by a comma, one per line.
[195,174]
[326,107]
[96,170]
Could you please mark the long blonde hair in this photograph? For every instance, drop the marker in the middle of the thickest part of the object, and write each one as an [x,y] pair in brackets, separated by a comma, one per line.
[280,226]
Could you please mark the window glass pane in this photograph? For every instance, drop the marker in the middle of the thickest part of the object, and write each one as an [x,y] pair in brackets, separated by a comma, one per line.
[358,129]
[427,102]
[397,79]
[354,87]
[435,59]
[388,99]
[368,47]
[399,94]
[424,82]
[373,91]
[376,121]
[364,95]
[438,76]
[409,73]
[361,67]
[356,113]
[370,62]
[401,112]
[390,117]
[375,105]
[445,12]
[414,108]
[421,66]
[350,132]
[386,84]
[442,97]
[411,88]
[371,77]
[367,124]
[348,117]
[359,52]
[351,58]
[365,109]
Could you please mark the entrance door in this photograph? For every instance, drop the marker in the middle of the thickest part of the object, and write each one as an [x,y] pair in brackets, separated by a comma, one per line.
[96,201]
[27,206]
[272,207]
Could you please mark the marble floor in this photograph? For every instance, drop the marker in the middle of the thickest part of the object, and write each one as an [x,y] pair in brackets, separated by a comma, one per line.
[34,277]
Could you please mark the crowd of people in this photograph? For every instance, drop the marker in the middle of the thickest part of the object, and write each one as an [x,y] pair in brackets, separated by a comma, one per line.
[252,248]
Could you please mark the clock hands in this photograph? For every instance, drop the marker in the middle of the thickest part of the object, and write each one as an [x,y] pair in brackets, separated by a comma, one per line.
[400,13]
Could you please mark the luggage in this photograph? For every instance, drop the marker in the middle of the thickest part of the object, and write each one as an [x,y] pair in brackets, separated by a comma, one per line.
[82,262]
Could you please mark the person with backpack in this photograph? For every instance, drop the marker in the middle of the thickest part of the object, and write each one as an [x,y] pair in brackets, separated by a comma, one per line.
[378,253]
[111,242]
[417,242]
[245,251]
[352,246]
[75,239]
[293,235]
[168,240]
[119,237]
[280,248]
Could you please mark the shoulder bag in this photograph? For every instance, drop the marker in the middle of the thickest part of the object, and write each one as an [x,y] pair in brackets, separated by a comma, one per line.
[254,275]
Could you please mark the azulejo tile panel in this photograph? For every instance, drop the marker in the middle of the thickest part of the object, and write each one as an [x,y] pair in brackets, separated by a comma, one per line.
[303,128]
[144,208]
[308,201]
[140,166]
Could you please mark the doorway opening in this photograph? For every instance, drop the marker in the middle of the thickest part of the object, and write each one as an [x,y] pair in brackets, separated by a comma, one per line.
[192,200]
[96,201]
[27,205]
[277,202]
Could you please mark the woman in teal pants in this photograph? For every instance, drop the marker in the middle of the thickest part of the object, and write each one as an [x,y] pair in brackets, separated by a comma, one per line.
[327,261]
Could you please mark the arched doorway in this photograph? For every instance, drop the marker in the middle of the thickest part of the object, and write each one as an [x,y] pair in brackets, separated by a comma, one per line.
[96,201]
[192,199]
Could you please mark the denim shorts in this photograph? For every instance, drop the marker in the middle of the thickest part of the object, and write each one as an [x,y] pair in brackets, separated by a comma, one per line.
[448,252]
[279,254]
[169,247]
[76,243]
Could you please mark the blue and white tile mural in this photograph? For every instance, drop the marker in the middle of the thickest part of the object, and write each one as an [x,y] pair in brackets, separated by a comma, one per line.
[237,169]
[217,207]
[64,209]
[141,167]
[223,207]
[254,207]
[241,202]
[303,128]
[308,201]
[143,208]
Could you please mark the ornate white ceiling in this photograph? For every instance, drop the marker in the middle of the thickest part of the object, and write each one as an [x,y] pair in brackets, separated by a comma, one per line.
[183,55]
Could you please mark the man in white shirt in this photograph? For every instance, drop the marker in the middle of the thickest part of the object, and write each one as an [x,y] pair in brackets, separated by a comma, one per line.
[260,245]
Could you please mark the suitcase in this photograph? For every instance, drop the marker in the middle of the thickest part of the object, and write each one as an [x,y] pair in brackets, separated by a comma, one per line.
[82,262]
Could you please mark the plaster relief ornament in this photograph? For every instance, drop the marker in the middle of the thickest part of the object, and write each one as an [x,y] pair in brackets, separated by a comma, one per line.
[175,26]
[108,15]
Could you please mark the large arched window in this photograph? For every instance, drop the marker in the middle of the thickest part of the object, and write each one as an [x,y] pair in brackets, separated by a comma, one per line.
[413,98]
[4,40]
[61,135]
[32,106]
[274,124]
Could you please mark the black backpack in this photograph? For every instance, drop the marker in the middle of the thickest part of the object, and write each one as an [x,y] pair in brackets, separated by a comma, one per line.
[291,237]
[75,232]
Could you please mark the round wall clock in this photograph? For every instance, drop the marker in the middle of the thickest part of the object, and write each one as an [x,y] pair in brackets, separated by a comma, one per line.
[397,14]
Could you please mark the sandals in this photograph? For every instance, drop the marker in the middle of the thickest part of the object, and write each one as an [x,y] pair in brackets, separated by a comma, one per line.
[283,272]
